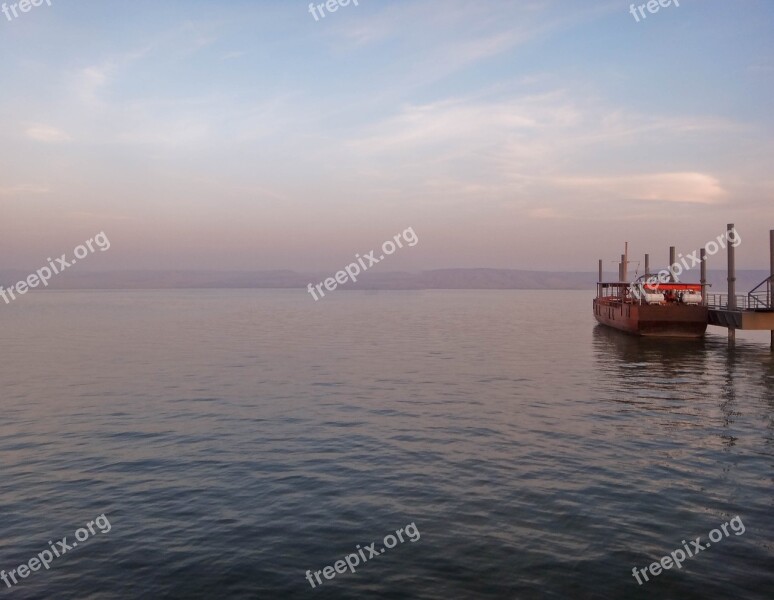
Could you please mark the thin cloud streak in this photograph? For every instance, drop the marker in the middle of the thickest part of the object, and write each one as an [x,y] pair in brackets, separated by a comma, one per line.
[47,134]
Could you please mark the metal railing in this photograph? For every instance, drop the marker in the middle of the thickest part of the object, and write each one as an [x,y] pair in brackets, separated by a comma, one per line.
[760,298]
[761,295]
[721,301]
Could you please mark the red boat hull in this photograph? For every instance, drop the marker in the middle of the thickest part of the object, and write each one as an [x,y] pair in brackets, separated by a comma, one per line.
[670,320]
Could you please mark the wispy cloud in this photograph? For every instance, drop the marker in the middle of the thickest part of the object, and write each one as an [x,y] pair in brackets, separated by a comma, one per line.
[90,81]
[545,212]
[47,134]
[458,120]
[460,33]
[23,189]
[232,55]
[94,216]
[691,188]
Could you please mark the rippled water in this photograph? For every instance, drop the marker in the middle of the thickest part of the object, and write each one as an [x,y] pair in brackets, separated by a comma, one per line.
[237,439]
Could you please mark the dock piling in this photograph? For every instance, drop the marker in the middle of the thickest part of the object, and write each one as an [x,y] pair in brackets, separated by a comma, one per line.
[703,258]
[730,230]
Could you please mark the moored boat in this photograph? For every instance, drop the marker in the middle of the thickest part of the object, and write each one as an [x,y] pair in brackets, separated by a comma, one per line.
[649,308]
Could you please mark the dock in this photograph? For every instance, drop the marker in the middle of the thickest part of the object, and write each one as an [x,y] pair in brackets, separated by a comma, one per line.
[751,311]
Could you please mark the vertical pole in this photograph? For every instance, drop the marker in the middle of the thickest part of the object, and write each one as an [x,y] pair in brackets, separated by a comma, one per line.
[671,264]
[621,268]
[703,258]
[647,264]
[771,281]
[600,271]
[626,262]
[731,281]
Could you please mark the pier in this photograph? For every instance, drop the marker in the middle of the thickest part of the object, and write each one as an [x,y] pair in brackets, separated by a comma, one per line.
[751,311]
[639,307]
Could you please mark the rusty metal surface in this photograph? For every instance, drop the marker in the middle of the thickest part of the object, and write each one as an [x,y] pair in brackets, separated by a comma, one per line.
[672,320]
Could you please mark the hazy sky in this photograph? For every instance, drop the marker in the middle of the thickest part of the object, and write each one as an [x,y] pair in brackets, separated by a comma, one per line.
[519,134]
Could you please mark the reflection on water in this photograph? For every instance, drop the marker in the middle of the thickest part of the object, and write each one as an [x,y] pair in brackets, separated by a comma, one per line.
[236,439]
[684,371]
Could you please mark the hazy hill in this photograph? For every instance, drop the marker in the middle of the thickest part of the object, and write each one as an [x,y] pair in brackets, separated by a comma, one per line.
[505,279]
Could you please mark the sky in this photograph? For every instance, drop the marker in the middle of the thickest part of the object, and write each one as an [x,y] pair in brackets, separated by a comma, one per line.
[248,135]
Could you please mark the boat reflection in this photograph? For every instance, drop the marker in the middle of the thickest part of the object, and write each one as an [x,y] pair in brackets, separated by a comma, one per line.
[672,376]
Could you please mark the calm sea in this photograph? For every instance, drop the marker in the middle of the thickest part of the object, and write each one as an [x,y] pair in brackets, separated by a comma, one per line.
[236,439]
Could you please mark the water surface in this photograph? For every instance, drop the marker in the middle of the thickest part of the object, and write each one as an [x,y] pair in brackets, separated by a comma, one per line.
[236,439]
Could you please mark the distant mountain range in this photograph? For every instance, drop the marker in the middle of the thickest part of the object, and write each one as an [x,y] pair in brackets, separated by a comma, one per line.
[457,279]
